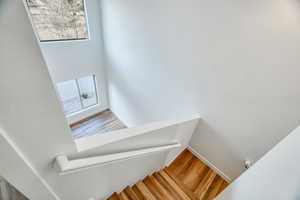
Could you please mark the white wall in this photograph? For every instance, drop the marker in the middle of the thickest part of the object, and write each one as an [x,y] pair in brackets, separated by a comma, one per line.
[69,60]
[235,62]
[275,176]
[31,114]
[33,129]
[18,170]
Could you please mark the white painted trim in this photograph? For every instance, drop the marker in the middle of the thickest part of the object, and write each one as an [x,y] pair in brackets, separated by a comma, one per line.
[86,112]
[208,163]
[65,166]
[98,140]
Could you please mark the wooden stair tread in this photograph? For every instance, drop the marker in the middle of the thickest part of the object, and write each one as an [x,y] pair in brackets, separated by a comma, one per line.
[138,192]
[193,175]
[182,171]
[186,178]
[145,191]
[154,190]
[215,188]
[224,185]
[114,196]
[181,162]
[168,187]
[174,185]
[123,196]
[130,193]
[205,184]
[165,193]
[188,192]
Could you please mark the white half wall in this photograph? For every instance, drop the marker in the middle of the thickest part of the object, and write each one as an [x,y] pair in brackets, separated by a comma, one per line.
[234,62]
[101,181]
[276,176]
[68,60]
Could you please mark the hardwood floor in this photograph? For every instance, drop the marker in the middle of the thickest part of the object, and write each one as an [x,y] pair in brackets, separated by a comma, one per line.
[98,124]
[187,178]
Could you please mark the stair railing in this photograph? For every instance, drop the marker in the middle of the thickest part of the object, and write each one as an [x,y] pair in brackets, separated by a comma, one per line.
[65,166]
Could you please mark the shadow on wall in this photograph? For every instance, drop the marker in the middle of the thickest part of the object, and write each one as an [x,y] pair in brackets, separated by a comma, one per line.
[1,2]
[9,192]
[213,147]
[129,104]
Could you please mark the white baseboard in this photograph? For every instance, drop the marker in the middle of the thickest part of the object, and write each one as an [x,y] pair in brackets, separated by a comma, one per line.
[75,117]
[212,166]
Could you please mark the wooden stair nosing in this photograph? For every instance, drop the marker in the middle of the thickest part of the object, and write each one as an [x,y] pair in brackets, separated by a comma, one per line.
[192,177]
[186,191]
[138,192]
[123,196]
[130,193]
[181,162]
[215,190]
[145,191]
[205,184]
[154,190]
[224,185]
[166,195]
[114,196]
[168,187]
[187,165]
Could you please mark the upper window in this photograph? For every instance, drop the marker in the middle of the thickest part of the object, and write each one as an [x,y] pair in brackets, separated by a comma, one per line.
[58,19]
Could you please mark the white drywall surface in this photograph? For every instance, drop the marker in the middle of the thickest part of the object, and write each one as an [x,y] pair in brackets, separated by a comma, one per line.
[19,172]
[30,113]
[234,62]
[36,130]
[275,176]
[34,121]
[69,60]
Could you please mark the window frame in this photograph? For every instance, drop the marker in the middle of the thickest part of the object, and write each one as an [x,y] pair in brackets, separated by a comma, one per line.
[83,108]
[62,40]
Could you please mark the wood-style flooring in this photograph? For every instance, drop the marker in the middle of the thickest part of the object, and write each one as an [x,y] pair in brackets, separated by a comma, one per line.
[187,178]
[99,124]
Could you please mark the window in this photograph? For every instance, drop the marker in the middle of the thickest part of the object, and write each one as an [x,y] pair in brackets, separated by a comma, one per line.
[58,19]
[87,91]
[78,94]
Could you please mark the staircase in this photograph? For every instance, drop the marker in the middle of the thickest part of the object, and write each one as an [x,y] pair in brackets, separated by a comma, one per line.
[187,178]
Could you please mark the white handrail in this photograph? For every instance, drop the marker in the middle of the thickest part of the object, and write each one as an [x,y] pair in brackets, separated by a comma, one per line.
[65,166]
